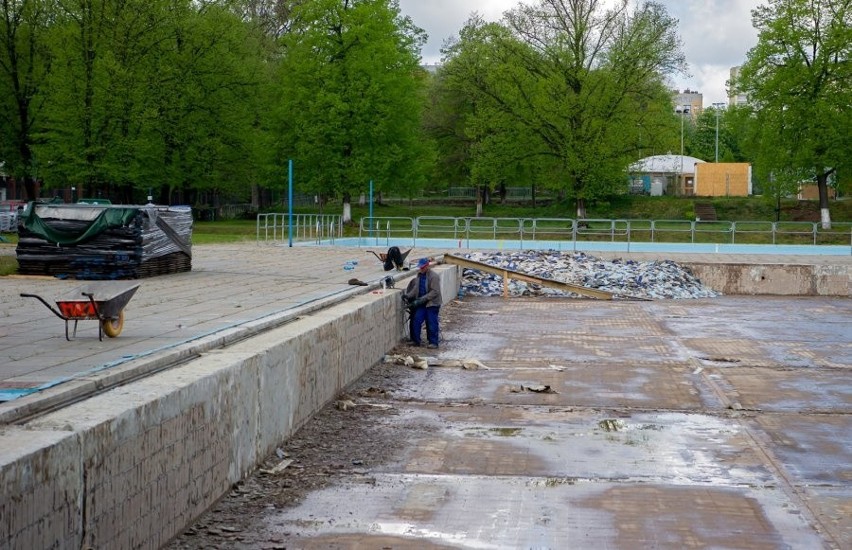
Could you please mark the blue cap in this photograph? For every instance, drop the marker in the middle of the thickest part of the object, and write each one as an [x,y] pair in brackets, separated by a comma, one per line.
[422,262]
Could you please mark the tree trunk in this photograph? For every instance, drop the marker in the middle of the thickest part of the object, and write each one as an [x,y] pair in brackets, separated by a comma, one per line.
[777,205]
[479,201]
[581,208]
[30,188]
[255,196]
[347,207]
[822,185]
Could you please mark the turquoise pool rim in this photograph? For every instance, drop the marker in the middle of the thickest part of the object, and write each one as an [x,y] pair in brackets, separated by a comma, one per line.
[592,246]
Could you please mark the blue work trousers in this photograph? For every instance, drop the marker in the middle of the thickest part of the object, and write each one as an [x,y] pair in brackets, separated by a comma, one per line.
[430,315]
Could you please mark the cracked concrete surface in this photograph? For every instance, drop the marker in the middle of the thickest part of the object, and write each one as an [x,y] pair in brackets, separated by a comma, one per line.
[718,423]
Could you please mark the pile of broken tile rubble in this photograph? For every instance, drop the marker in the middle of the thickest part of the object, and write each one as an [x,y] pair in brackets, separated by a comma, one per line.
[626,278]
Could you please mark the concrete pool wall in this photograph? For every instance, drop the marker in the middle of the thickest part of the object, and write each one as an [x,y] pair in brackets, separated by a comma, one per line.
[774,279]
[133,466]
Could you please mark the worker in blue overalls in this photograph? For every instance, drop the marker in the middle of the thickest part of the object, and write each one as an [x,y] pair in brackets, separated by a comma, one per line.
[424,298]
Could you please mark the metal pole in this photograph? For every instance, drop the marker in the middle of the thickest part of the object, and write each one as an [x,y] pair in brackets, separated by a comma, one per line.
[681,138]
[717,136]
[371,204]
[717,106]
[680,176]
[290,202]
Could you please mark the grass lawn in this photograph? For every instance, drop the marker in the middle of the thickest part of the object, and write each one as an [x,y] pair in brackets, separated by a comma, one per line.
[8,265]
[228,231]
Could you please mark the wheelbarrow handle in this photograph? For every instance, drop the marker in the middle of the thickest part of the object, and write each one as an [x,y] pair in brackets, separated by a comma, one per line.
[91,297]
[50,307]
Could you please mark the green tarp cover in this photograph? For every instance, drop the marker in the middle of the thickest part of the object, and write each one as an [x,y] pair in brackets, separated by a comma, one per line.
[109,217]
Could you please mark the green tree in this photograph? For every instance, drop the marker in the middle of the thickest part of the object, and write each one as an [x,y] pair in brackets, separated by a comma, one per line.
[714,129]
[352,96]
[24,65]
[206,131]
[571,84]
[748,138]
[445,120]
[153,94]
[798,79]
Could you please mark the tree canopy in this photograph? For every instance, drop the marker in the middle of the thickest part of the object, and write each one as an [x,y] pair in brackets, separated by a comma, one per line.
[194,100]
[799,82]
[351,97]
[203,102]
[570,84]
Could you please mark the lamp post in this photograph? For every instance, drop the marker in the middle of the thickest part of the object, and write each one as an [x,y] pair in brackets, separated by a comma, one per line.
[683,110]
[717,107]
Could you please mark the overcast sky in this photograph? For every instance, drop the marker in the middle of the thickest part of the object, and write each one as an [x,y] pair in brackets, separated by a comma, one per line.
[716,34]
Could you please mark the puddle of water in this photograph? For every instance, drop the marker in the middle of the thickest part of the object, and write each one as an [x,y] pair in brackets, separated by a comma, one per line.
[501,432]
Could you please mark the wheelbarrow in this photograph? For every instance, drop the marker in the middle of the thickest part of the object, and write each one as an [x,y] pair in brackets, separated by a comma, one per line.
[102,302]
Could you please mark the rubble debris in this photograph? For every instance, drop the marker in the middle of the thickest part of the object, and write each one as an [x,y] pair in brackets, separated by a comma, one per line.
[278,468]
[649,279]
[473,364]
[344,404]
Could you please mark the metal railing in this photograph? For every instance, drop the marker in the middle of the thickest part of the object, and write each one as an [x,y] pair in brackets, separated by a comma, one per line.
[8,222]
[234,211]
[380,231]
[306,227]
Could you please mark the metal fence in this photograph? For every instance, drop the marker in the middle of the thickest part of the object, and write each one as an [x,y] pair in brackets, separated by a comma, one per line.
[512,193]
[306,227]
[461,192]
[8,222]
[380,230]
[234,211]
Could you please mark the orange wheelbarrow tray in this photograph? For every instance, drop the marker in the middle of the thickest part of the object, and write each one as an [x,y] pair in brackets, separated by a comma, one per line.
[103,302]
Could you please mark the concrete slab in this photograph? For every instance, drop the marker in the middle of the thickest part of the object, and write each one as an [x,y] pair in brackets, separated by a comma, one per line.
[488,512]
[658,430]
[231,287]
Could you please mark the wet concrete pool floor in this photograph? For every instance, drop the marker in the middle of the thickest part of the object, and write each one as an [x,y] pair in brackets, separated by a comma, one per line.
[717,423]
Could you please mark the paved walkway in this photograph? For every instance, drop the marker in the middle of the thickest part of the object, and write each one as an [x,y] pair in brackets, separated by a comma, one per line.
[231,289]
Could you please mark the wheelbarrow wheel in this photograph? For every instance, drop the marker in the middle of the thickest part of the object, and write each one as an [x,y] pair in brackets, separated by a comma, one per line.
[112,327]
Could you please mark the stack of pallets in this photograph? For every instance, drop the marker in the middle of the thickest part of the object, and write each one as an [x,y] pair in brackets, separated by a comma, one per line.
[93,242]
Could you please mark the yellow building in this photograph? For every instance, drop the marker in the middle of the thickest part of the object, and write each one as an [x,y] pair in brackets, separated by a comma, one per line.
[723,179]
[810,192]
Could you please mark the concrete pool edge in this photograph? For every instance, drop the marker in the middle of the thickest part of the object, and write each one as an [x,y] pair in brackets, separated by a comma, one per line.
[774,279]
[594,247]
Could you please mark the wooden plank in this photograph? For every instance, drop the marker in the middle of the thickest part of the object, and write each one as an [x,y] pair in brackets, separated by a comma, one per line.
[517,275]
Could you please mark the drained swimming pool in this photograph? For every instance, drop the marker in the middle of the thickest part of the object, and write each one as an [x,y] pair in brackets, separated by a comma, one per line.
[592,246]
